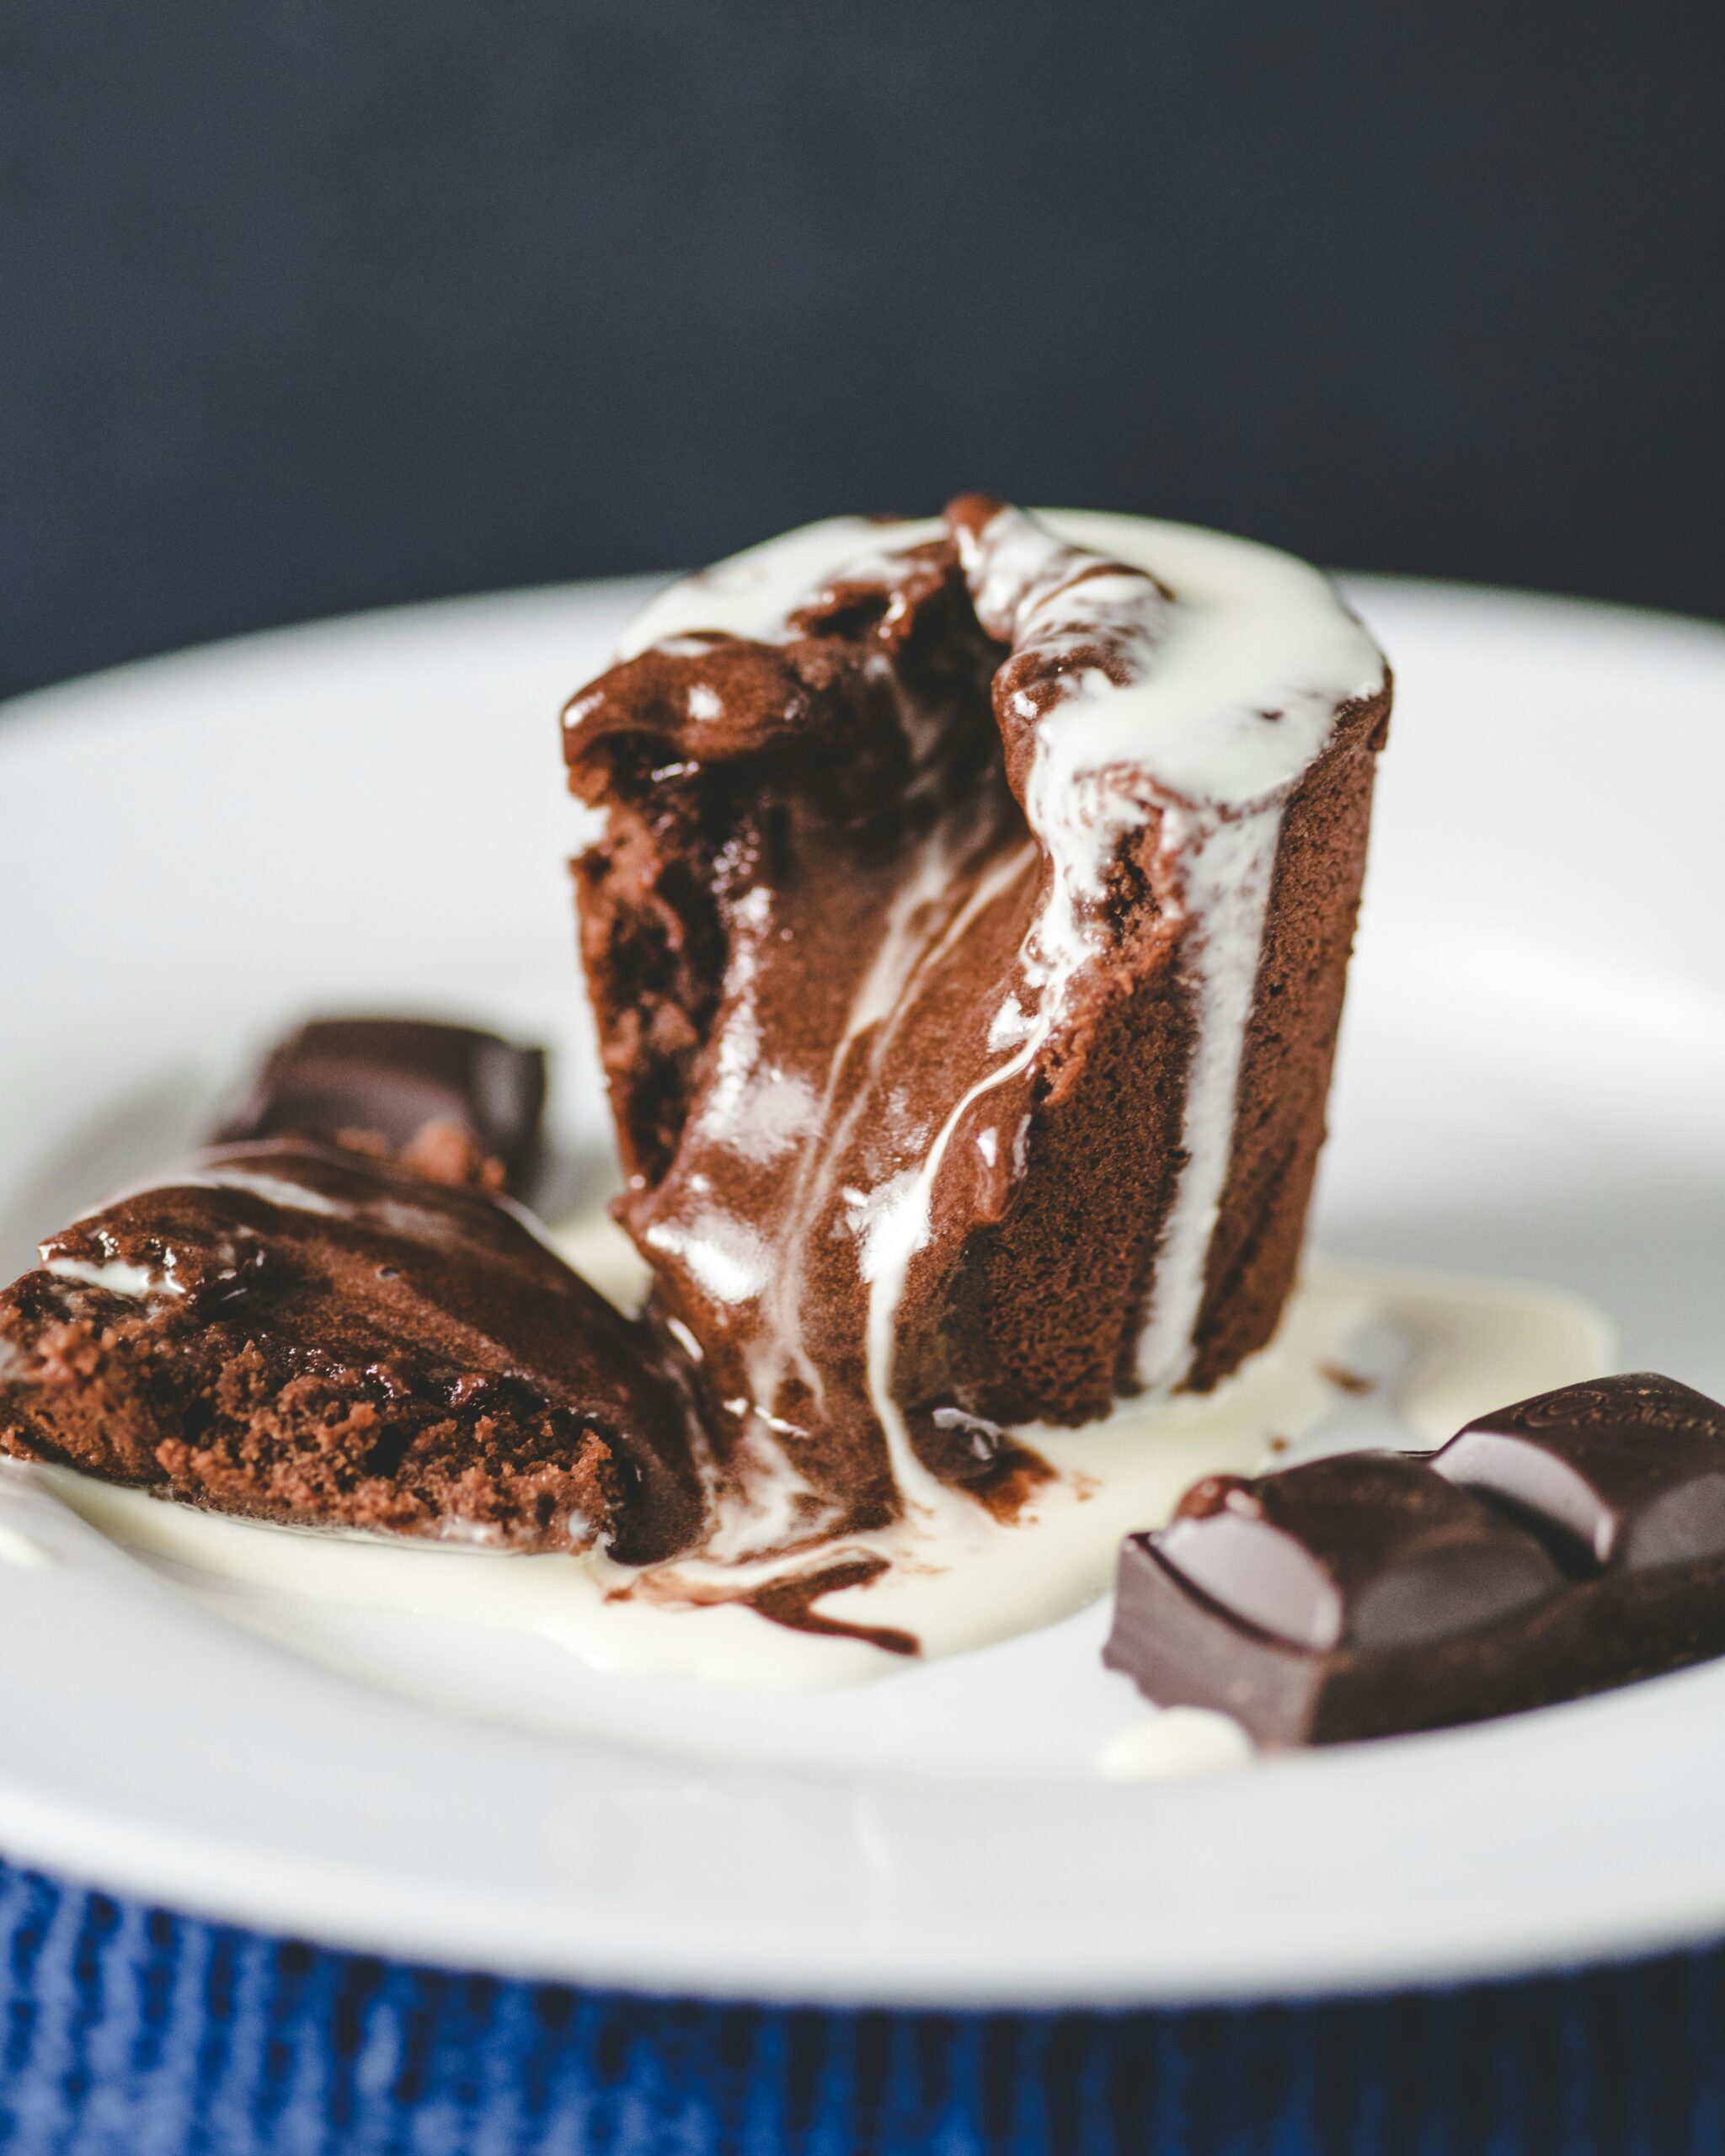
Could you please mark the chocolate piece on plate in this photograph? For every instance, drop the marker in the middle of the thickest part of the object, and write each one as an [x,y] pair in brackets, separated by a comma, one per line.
[1367,1550]
[453,1102]
[301,1334]
[1563,1546]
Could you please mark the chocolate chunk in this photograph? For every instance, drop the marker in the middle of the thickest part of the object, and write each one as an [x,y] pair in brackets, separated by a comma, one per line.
[1370,1550]
[449,1100]
[1561,1546]
[297,1333]
[1625,1471]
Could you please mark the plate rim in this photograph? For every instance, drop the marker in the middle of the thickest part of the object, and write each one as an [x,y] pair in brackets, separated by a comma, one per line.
[314,1896]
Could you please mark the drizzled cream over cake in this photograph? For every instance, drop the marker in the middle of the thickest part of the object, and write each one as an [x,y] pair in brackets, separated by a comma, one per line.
[968,936]
[966,918]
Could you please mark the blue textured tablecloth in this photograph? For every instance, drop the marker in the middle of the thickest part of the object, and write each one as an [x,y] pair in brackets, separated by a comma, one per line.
[128,2029]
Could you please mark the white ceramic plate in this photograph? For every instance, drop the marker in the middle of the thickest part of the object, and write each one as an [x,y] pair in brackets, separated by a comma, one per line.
[1532,1083]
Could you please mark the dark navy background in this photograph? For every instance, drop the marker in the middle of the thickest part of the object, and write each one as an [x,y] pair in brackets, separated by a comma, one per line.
[306,305]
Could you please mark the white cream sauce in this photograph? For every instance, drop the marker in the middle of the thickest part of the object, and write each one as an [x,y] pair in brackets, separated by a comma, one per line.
[1174,1741]
[954,1577]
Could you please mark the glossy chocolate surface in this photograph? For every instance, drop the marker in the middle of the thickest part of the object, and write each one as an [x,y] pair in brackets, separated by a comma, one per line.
[401,1082]
[1367,1550]
[774,809]
[296,1330]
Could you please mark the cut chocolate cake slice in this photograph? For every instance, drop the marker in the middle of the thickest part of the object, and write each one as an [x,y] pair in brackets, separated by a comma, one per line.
[292,1331]
[967,936]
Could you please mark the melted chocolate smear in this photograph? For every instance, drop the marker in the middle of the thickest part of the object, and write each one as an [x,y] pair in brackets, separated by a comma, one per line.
[790,1603]
[985,1461]
[836,798]
[1010,1483]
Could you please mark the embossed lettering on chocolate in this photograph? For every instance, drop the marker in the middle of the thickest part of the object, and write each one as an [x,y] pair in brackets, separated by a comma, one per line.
[968,932]
[1627,1470]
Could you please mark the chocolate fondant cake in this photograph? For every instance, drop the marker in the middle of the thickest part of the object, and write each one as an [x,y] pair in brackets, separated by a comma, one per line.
[966,926]
[296,1332]
[967,938]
